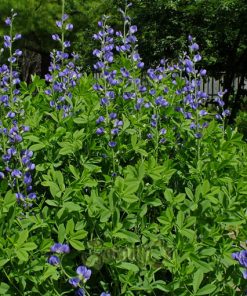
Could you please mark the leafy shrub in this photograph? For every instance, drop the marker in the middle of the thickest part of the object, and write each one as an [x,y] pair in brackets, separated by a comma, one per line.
[241,123]
[139,187]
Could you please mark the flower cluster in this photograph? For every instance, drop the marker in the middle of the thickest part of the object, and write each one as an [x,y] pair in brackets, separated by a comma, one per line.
[83,275]
[63,72]
[223,113]
[105,53]
[241,257]
[59,249]
[110,123]
[16,166]
[185,93]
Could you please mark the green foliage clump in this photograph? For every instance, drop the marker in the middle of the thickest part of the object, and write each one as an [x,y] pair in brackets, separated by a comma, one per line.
[139,180]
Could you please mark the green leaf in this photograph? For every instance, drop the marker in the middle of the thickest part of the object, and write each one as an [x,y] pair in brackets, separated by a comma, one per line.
[128,236]
[180,219]
[77,244]
[67,150]
[80,234]
[189,193]
[61,233]
[29,246]
[70,227]
[60,180]
[52,203]
[4,288]
[142,152]
[51,272]
[3,262]
[197,279]
[9,201]
[189,233]
[22,254]
[105,215]
[208,252]
[155,202]
[32,138]
[92,260]
[205,187]
[80,120]
[54,189]
[23,235]
[45,245]
[131,187]
[134,140]
[205,267]
[72,207]
[168,194]
[128,266]
[206,290]
[37,147]
[74,171]
[130,198]
[160,285]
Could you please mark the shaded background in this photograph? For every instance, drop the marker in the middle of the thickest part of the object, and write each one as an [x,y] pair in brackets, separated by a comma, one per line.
[218,25]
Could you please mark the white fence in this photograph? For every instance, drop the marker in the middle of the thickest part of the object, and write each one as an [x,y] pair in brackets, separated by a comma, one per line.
[210,85]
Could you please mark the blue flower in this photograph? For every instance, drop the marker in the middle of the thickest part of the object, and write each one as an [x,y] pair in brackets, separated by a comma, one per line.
[8,21]
[100,131]
[53,260]
[17,36]
[194,47]
[16,173]
[198,135]
[226,113]
[69,27]
[112,144]
[140,65]
[133,29]
[18,53]
[197,58]
[55,37]
[65,17]
[105,294]
[136,57]
[7,41]
[100,119]
[74,281]
[59,24]
[163,131]
[114,131]
[32,195]
[203,72]
[113,115]
[244,274]
[80,292]
[84,272]
[60,248]
[203,113]
[66,44]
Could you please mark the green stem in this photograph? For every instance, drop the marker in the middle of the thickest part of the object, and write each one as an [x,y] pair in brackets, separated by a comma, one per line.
[10,64]
[11,282]
[62,40]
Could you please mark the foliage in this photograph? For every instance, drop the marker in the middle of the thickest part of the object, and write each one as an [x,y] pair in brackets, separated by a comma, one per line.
[140,184]
[241,123]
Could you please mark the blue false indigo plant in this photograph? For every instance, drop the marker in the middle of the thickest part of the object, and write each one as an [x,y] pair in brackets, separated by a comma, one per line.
[63,72]
[143,188]
[16,167]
